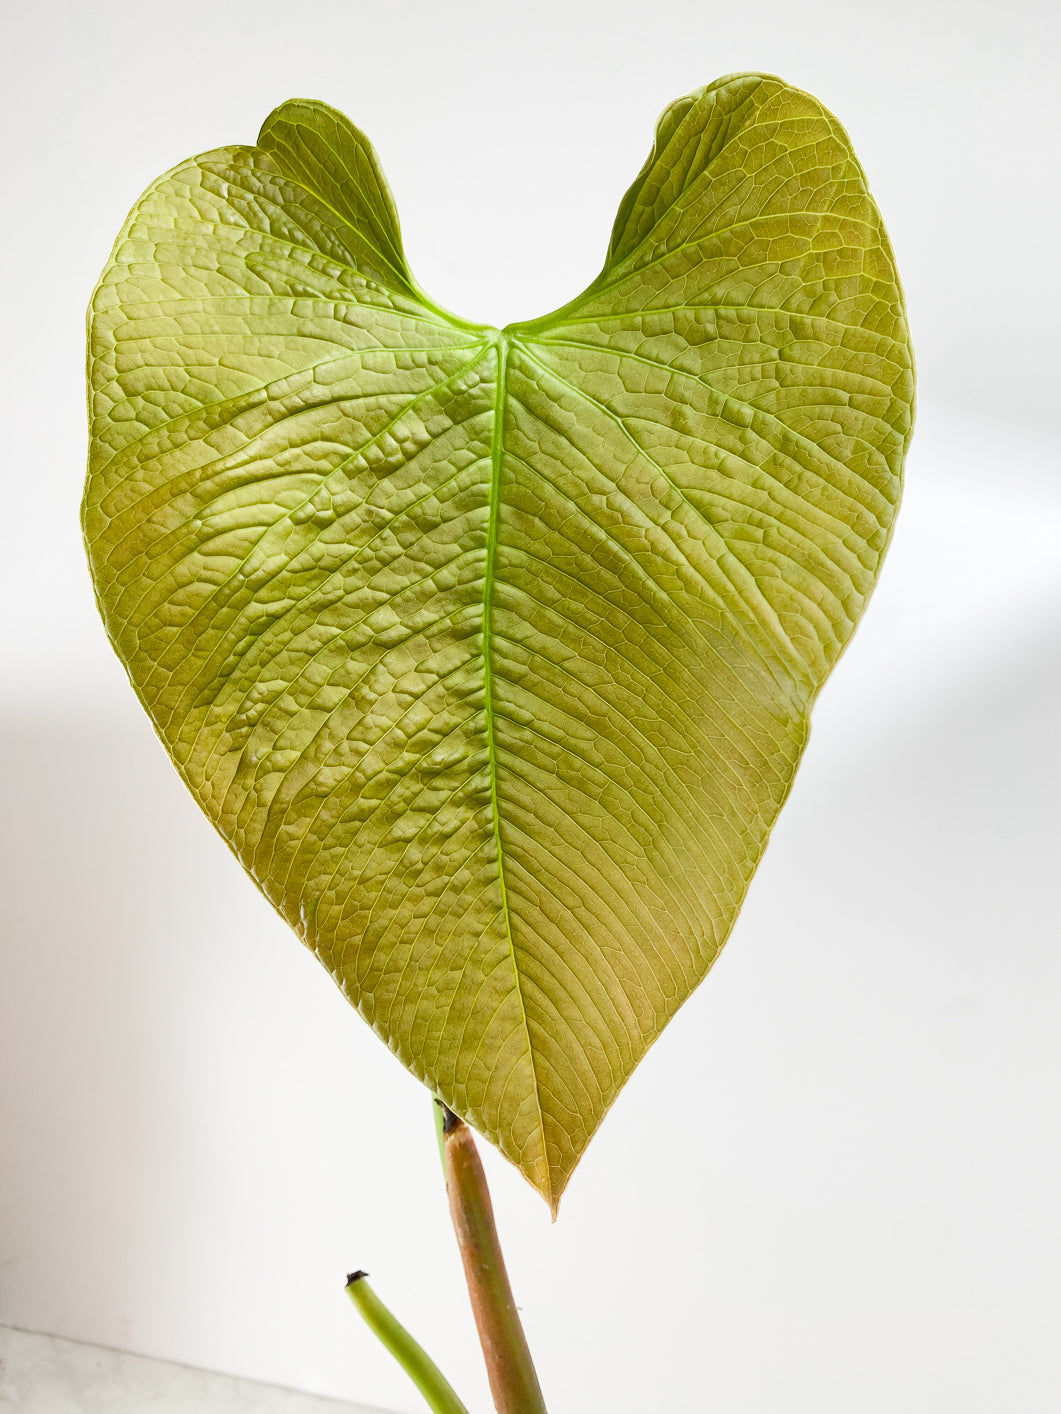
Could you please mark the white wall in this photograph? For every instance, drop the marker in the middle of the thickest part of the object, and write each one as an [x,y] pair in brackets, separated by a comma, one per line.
[833,1183]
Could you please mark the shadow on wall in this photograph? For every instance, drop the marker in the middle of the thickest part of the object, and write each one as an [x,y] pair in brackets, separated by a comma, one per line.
[93,852]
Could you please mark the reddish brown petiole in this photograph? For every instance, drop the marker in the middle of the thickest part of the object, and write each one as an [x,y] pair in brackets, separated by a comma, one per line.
[513,1381]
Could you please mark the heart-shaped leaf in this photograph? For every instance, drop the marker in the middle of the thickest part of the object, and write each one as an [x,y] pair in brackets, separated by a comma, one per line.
[490,653]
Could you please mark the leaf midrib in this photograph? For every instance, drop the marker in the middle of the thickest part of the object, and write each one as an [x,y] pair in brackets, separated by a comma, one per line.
[500,343]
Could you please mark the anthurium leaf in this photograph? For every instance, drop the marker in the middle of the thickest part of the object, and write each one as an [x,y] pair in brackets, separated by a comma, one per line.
[490,653]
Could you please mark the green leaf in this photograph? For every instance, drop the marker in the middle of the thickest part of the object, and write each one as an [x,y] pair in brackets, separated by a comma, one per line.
[491,654]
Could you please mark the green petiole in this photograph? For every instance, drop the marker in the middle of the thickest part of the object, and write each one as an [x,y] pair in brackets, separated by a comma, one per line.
[412,1357]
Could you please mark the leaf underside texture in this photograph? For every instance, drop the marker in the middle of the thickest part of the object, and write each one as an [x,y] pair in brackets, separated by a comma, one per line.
[491,653]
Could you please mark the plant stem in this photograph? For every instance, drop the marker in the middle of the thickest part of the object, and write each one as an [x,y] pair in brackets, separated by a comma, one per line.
[413,1359]
[513,1381]
[440,1131]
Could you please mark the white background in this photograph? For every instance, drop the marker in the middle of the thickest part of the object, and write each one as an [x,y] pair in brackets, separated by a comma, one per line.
[833,1185]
